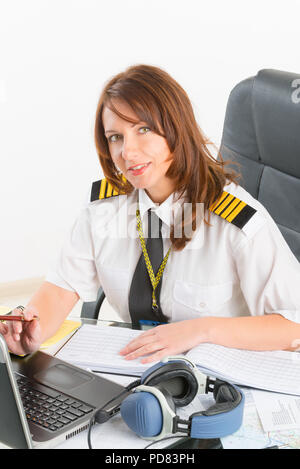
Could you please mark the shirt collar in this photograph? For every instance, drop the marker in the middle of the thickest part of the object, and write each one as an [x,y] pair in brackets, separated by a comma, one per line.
[163,211]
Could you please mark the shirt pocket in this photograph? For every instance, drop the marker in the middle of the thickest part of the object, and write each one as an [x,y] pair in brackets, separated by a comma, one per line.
[191,300]
[115,284]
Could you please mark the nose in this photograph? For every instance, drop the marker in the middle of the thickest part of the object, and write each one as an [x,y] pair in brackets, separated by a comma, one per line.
[129,149]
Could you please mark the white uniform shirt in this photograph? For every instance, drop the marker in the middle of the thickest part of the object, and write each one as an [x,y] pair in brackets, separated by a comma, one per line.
[224,271]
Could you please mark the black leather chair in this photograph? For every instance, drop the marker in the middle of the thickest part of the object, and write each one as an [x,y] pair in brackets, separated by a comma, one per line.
[262,133]
[91,309]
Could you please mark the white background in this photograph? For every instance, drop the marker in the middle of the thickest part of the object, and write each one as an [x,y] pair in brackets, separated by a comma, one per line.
[55,57]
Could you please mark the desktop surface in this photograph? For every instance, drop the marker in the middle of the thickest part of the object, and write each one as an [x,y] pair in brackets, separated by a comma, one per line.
[180,441]
[250,436]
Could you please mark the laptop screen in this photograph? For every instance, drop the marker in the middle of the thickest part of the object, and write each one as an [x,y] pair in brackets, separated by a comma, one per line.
[14,430]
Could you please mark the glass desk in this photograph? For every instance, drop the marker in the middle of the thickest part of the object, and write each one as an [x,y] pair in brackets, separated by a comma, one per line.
[182,442]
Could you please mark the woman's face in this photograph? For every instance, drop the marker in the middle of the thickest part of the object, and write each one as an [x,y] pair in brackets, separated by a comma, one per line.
[140,154]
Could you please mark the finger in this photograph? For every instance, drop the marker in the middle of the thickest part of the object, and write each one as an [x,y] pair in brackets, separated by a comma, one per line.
[16,329]
[156,357]
[16,326]
[144,350]
[3,329]
[33,330]
[137,343]
[30,328]
[140,338]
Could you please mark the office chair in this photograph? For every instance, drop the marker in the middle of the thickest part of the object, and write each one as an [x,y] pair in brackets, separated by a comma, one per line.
[262,133]
[91,309]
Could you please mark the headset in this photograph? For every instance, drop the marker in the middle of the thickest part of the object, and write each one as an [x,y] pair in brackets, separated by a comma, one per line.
[150,408]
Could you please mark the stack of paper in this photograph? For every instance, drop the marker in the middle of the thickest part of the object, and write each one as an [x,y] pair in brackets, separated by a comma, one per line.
[277,371]
[98,348]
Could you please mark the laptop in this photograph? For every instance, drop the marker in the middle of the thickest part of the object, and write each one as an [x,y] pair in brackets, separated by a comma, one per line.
[44,400]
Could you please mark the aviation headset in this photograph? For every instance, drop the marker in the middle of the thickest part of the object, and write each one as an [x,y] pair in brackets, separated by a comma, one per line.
[150,410]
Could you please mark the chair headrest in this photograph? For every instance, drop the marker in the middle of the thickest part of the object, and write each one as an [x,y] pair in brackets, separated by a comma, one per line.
[263,119]
[262,134]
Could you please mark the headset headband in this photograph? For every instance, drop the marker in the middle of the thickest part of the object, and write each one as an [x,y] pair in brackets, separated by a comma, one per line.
[150,410]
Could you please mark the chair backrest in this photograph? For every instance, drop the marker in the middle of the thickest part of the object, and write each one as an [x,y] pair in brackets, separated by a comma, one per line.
[91,309]
[262,133]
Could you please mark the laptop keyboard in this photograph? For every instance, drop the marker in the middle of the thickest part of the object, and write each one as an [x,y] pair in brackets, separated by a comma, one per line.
[48,408]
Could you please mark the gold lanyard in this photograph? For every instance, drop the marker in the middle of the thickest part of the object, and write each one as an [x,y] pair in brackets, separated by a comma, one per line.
[154,280]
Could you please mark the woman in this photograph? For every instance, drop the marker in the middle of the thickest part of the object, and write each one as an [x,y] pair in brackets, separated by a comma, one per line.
[228,279]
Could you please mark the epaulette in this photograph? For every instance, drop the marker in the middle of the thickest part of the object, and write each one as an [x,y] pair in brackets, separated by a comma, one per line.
[232,209]
[228,206]
[103,190]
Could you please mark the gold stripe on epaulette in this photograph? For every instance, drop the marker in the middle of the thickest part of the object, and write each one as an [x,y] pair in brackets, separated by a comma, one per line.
[103,185]
[109,190]
[103,190]
[232,209]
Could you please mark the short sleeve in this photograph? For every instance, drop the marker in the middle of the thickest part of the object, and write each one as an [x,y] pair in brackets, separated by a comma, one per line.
[75,269]
[269,274]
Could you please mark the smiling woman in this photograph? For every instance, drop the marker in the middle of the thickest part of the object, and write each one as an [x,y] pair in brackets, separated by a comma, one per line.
[144,117]
[231,280]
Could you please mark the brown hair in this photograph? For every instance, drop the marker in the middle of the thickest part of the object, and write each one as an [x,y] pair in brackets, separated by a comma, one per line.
[161,102]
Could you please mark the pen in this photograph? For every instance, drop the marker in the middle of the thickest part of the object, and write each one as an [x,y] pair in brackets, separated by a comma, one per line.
[16,318]
[10,317]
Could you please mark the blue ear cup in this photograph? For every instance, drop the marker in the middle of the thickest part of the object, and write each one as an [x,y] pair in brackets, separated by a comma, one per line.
[142,413]
[150,410]
[145,411]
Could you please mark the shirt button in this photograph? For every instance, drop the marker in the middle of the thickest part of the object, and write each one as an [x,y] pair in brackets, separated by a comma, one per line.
[202,304]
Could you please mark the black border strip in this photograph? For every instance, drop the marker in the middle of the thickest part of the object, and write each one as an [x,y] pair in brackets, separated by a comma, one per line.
[244,216]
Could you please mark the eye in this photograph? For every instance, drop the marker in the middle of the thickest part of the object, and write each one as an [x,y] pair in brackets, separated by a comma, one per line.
[144,130]
[113,138]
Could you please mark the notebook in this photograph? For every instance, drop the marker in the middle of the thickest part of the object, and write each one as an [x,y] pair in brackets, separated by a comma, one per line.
[97,348]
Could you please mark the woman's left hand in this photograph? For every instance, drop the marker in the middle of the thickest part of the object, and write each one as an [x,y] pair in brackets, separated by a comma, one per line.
[165,340]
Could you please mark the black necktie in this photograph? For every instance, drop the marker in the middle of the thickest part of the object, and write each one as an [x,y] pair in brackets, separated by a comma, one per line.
[140,294]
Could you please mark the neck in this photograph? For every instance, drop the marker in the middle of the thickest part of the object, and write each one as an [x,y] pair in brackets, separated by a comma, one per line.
[158,196]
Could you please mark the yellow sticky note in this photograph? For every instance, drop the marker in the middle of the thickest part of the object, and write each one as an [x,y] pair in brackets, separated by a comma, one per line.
[66,328]
[4,309]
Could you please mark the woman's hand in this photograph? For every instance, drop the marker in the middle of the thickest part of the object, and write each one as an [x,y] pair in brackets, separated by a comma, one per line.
[164,340]
[22,337]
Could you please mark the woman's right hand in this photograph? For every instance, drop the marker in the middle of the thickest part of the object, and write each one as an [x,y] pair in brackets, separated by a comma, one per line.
[22,337]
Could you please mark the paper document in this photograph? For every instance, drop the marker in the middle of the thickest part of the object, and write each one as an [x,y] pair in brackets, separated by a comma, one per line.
[277,411]
[98,348]
[277,371]
[251,435]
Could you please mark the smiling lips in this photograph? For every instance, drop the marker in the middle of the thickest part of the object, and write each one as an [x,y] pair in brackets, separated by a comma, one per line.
[139,169]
